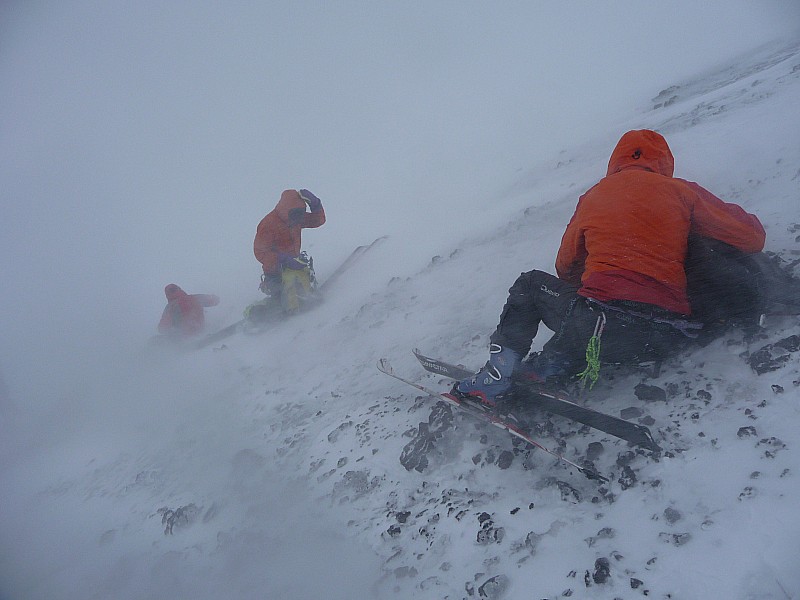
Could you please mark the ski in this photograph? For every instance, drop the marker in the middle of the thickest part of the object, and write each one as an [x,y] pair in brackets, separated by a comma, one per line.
[556,403]
[239,325]
[348,262]
[457,372]
[481,413]
[221,334]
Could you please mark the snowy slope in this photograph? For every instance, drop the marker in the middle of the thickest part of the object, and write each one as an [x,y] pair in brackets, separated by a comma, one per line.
[268,466]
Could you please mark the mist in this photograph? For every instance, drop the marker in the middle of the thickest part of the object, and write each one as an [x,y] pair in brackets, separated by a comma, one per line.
[142,143]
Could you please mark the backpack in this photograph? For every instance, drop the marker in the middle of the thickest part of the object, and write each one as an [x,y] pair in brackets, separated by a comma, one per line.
[729,287]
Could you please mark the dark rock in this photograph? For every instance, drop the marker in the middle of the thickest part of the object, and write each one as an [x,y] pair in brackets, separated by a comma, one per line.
[631,412]
[400,572]
[628,478]
[676,539]
[650,393]
[773,356]
[746,431]
[568,492]
[490,535]
[602,570]
[415,453]
[625,458]
[790,344]
[771,441]
[505,459]
[594,450]
[494,587]
[441,418]
[606,533]
[182,516]
[672,516]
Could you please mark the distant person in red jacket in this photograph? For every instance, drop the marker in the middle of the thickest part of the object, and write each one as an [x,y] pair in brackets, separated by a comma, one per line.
[278,236]
[621,270]
[183,316]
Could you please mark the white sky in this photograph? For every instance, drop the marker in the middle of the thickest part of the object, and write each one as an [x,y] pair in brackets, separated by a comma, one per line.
[141,142]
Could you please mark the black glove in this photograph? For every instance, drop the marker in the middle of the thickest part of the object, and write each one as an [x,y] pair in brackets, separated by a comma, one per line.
[314,203]
[288,261]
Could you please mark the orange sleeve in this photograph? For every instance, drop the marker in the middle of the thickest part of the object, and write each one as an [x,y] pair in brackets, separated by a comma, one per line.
[729,223]
[572,253]
[314,219]
[206,299]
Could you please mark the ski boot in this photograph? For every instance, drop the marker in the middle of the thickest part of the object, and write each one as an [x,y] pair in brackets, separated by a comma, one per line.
[544,370]
[493,381]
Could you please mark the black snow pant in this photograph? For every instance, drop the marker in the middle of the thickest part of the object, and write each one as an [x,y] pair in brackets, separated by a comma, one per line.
[539,297]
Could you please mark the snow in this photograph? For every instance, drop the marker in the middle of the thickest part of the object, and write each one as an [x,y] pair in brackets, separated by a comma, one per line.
[268,465]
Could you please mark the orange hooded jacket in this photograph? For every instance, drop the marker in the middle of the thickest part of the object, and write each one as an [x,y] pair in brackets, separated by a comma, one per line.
[628,237]
[276,235]
[183,314]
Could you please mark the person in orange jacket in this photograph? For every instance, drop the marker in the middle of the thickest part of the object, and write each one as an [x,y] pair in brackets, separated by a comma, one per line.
[183,315]
[278,235]
[621,275]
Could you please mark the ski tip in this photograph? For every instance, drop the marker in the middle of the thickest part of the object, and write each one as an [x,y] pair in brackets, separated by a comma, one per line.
[594,475]
[649,443]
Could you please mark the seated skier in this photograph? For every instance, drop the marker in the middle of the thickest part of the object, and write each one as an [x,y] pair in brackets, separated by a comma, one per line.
[278,240]
[621,276]
[183,315]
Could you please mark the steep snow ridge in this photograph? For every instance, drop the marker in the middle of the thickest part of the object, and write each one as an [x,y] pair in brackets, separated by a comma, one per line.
[468,526]
[752,78]
[277,474]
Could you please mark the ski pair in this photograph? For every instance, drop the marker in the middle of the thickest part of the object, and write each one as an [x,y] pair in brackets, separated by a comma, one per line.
[482,413]
[536,396]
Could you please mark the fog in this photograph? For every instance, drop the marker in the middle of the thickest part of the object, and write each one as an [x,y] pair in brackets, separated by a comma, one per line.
[142,143]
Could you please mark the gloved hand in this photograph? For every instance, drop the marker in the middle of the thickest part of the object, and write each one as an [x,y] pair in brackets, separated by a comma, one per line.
[314,203]
[288,261]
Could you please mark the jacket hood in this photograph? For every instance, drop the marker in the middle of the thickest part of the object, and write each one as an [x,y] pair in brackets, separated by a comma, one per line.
[642,149]
[290,199]
[173,292]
